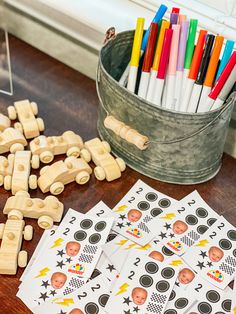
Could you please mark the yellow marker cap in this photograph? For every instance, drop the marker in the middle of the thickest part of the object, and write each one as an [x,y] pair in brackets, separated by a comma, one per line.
[156,61]
[138,36]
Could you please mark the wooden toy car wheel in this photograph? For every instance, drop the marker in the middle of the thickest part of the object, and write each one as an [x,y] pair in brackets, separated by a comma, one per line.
[85,154]
[34,107]
[107,146]
[40,124]
[35,162]
[42,170]
[73,151]
[1,180]
[33,181]
[18,126]
[121,164]
[68,133]
[28,233]
[22,193]
[45,222]
[46,157]
[16,148]
[15,214]
[82,177]
[11,112]
[7,183]
[2,226]
[57,188]
[99,173]
[22,259]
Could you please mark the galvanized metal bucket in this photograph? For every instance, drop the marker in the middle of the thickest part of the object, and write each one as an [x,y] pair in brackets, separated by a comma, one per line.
[182,148]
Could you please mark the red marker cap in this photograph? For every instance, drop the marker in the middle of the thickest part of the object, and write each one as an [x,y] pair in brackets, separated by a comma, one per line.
[175,10]
[149,52]
[165,54]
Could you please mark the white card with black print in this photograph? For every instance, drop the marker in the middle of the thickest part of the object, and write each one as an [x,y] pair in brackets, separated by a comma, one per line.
[89,299]
[214,255]
[143,287]
[138,207]
[233,306]
[179,228]
[179,302]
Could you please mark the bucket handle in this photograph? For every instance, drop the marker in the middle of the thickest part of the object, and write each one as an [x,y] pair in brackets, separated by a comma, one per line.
[144,143]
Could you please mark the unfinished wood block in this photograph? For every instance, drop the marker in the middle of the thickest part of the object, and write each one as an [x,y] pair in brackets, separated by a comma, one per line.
[54,177]
[10,257]
[21,205]
[107,167]
[47,147]
[25,111]
[5,122]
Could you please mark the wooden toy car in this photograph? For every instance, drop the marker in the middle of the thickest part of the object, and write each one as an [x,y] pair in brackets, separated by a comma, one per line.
[46,211]
[47,147]
[11,140]
[25,111]
[53,178]
[107,166]
[11,234]
[20,178]
[5,122]
[6,167]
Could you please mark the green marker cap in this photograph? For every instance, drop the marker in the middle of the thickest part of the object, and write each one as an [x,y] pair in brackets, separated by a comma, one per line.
[190,43]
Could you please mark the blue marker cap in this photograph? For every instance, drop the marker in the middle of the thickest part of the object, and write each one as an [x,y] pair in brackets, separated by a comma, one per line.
[159,15]
[225,58]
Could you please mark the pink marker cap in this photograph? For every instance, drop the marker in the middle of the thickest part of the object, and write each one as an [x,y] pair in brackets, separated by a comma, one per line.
[165,54]
[174,50]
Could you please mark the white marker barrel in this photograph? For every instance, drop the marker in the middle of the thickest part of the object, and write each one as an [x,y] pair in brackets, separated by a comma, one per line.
[202,106]
[194,99]
[151,86]
[158,91]
[143,85]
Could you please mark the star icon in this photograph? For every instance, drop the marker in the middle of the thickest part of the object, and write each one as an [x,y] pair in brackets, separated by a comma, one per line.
[209,264]
[60,264]
[128,224]
[68,260]
[177,284]
[61,312]
[167,226]
[172,235]
[60,252]
[127,300]
[203,254]
[120,225]
[45,284]
[200,265]
[127,312]
[162,235]
[43,296]
[53,292]
[122,217]
[111,267]
[136,309]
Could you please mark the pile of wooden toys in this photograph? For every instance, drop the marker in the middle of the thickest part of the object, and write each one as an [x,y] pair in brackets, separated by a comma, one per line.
[15,175]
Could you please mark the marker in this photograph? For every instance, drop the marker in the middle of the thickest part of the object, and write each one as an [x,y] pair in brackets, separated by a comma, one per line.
[198,52]
[165,25]
[225,90]
[197,88]
[211,70]
[189,50]
[147,63]
[158,16]
[175,10]
[135,56]
[162,67]
[229,46]
[180,63]
[174,18]
[221,81]
[182,18]
[170,87]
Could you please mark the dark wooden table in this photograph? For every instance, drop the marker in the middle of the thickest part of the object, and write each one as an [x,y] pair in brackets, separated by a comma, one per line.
[67,100]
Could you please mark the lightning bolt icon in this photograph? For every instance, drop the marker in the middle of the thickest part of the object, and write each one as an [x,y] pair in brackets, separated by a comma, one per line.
[65,302]
[145,247]
[234,310]
[123,288]
[130,246]
[43,272]
[121,208]
[168,216]
[122,242]
[57,242]
[202,243]
[176,262]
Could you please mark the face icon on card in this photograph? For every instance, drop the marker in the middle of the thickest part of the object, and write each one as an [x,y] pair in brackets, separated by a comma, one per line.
[185,276]
[58,280]
[139,295]
[157,256]
[179,227]
[215,254]
[134,215]
[76,311]
[72,248]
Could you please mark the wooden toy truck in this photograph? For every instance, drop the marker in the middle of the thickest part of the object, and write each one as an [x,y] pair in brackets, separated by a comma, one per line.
[53,178]
[11,140]
[5,122]
[18,177]
[107,166]
[47,147]
[46,211]
[11,234]
[26,111]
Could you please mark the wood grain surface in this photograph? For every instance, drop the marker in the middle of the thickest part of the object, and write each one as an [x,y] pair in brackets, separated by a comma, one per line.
[67,100]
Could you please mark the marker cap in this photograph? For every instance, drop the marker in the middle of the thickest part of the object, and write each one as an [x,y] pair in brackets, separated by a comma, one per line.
[149,52]
[190,43]
[135,56]
[165,54]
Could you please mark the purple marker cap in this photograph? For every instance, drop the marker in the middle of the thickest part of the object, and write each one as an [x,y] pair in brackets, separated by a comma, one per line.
[174,18]
[182,45]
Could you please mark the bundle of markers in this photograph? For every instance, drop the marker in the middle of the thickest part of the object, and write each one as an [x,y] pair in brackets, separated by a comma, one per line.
[176,73]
